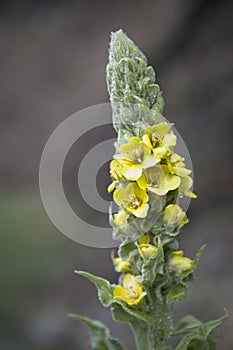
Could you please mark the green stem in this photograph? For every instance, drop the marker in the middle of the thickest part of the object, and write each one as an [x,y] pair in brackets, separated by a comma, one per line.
[153,337]
[142,336]
[162,326]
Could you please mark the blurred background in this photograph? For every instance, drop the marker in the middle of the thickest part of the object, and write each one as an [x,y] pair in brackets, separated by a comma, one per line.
[53,59]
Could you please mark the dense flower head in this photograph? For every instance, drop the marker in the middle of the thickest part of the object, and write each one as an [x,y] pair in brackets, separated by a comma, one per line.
[148,178]
[145,166]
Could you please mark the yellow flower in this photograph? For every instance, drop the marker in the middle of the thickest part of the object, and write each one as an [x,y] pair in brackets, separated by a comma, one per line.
[131,292]
[116,170]
[112,186]
[178,262]
[120,218]
[159,139]
[121,265]
[147,250]
[176,165]
[134,158]
[132,198]
[157,179]
[186,184]
[174,215]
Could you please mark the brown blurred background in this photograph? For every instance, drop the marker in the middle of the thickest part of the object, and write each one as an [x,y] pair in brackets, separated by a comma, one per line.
[53,58]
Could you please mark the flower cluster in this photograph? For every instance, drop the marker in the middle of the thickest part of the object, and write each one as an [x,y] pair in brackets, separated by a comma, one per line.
[147,165]
[132,292]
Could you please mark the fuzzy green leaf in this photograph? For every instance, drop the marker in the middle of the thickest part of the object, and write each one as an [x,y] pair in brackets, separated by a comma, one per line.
[200,334]
[142,336]
[178,293]
[125,250]
[100,335]
[196,259]
[140,327]
[119,314]
[209,344]
[105,289]
[186,325]
[135,313]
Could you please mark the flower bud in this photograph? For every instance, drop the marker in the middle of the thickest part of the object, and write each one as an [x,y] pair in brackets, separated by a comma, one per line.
[174,215]
[178,262]
[121,265]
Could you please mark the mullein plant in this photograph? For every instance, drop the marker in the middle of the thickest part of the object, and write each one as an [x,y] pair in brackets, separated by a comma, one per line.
[148,178]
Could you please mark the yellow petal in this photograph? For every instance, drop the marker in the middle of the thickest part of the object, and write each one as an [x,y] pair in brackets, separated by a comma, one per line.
[172,182]
[181,171]
[134,139]
[141,212]
[130,282]
[120,219]
[169,140]
[139,299]
[161,128]
[112,186]
[132,172]
[142,195]
[116,169]
[142,182]
[158,190]
[144,239]
[133,199]
[186,184]
[146,141]
[131,292]
[190,194]
[179,262]
[147,250]
[122,194]
[121,265]
[161,152]
[174,215]
[150,161]
[121,293]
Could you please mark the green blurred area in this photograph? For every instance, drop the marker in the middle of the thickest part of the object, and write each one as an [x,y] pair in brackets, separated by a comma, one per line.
[37,278]
[32,254]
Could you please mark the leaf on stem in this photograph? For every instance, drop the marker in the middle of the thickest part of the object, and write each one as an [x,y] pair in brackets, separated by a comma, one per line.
[198,333]
[100,335]
[104,288]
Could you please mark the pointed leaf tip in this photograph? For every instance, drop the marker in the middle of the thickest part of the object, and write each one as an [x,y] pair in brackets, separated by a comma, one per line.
[104,288]
[100,335]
